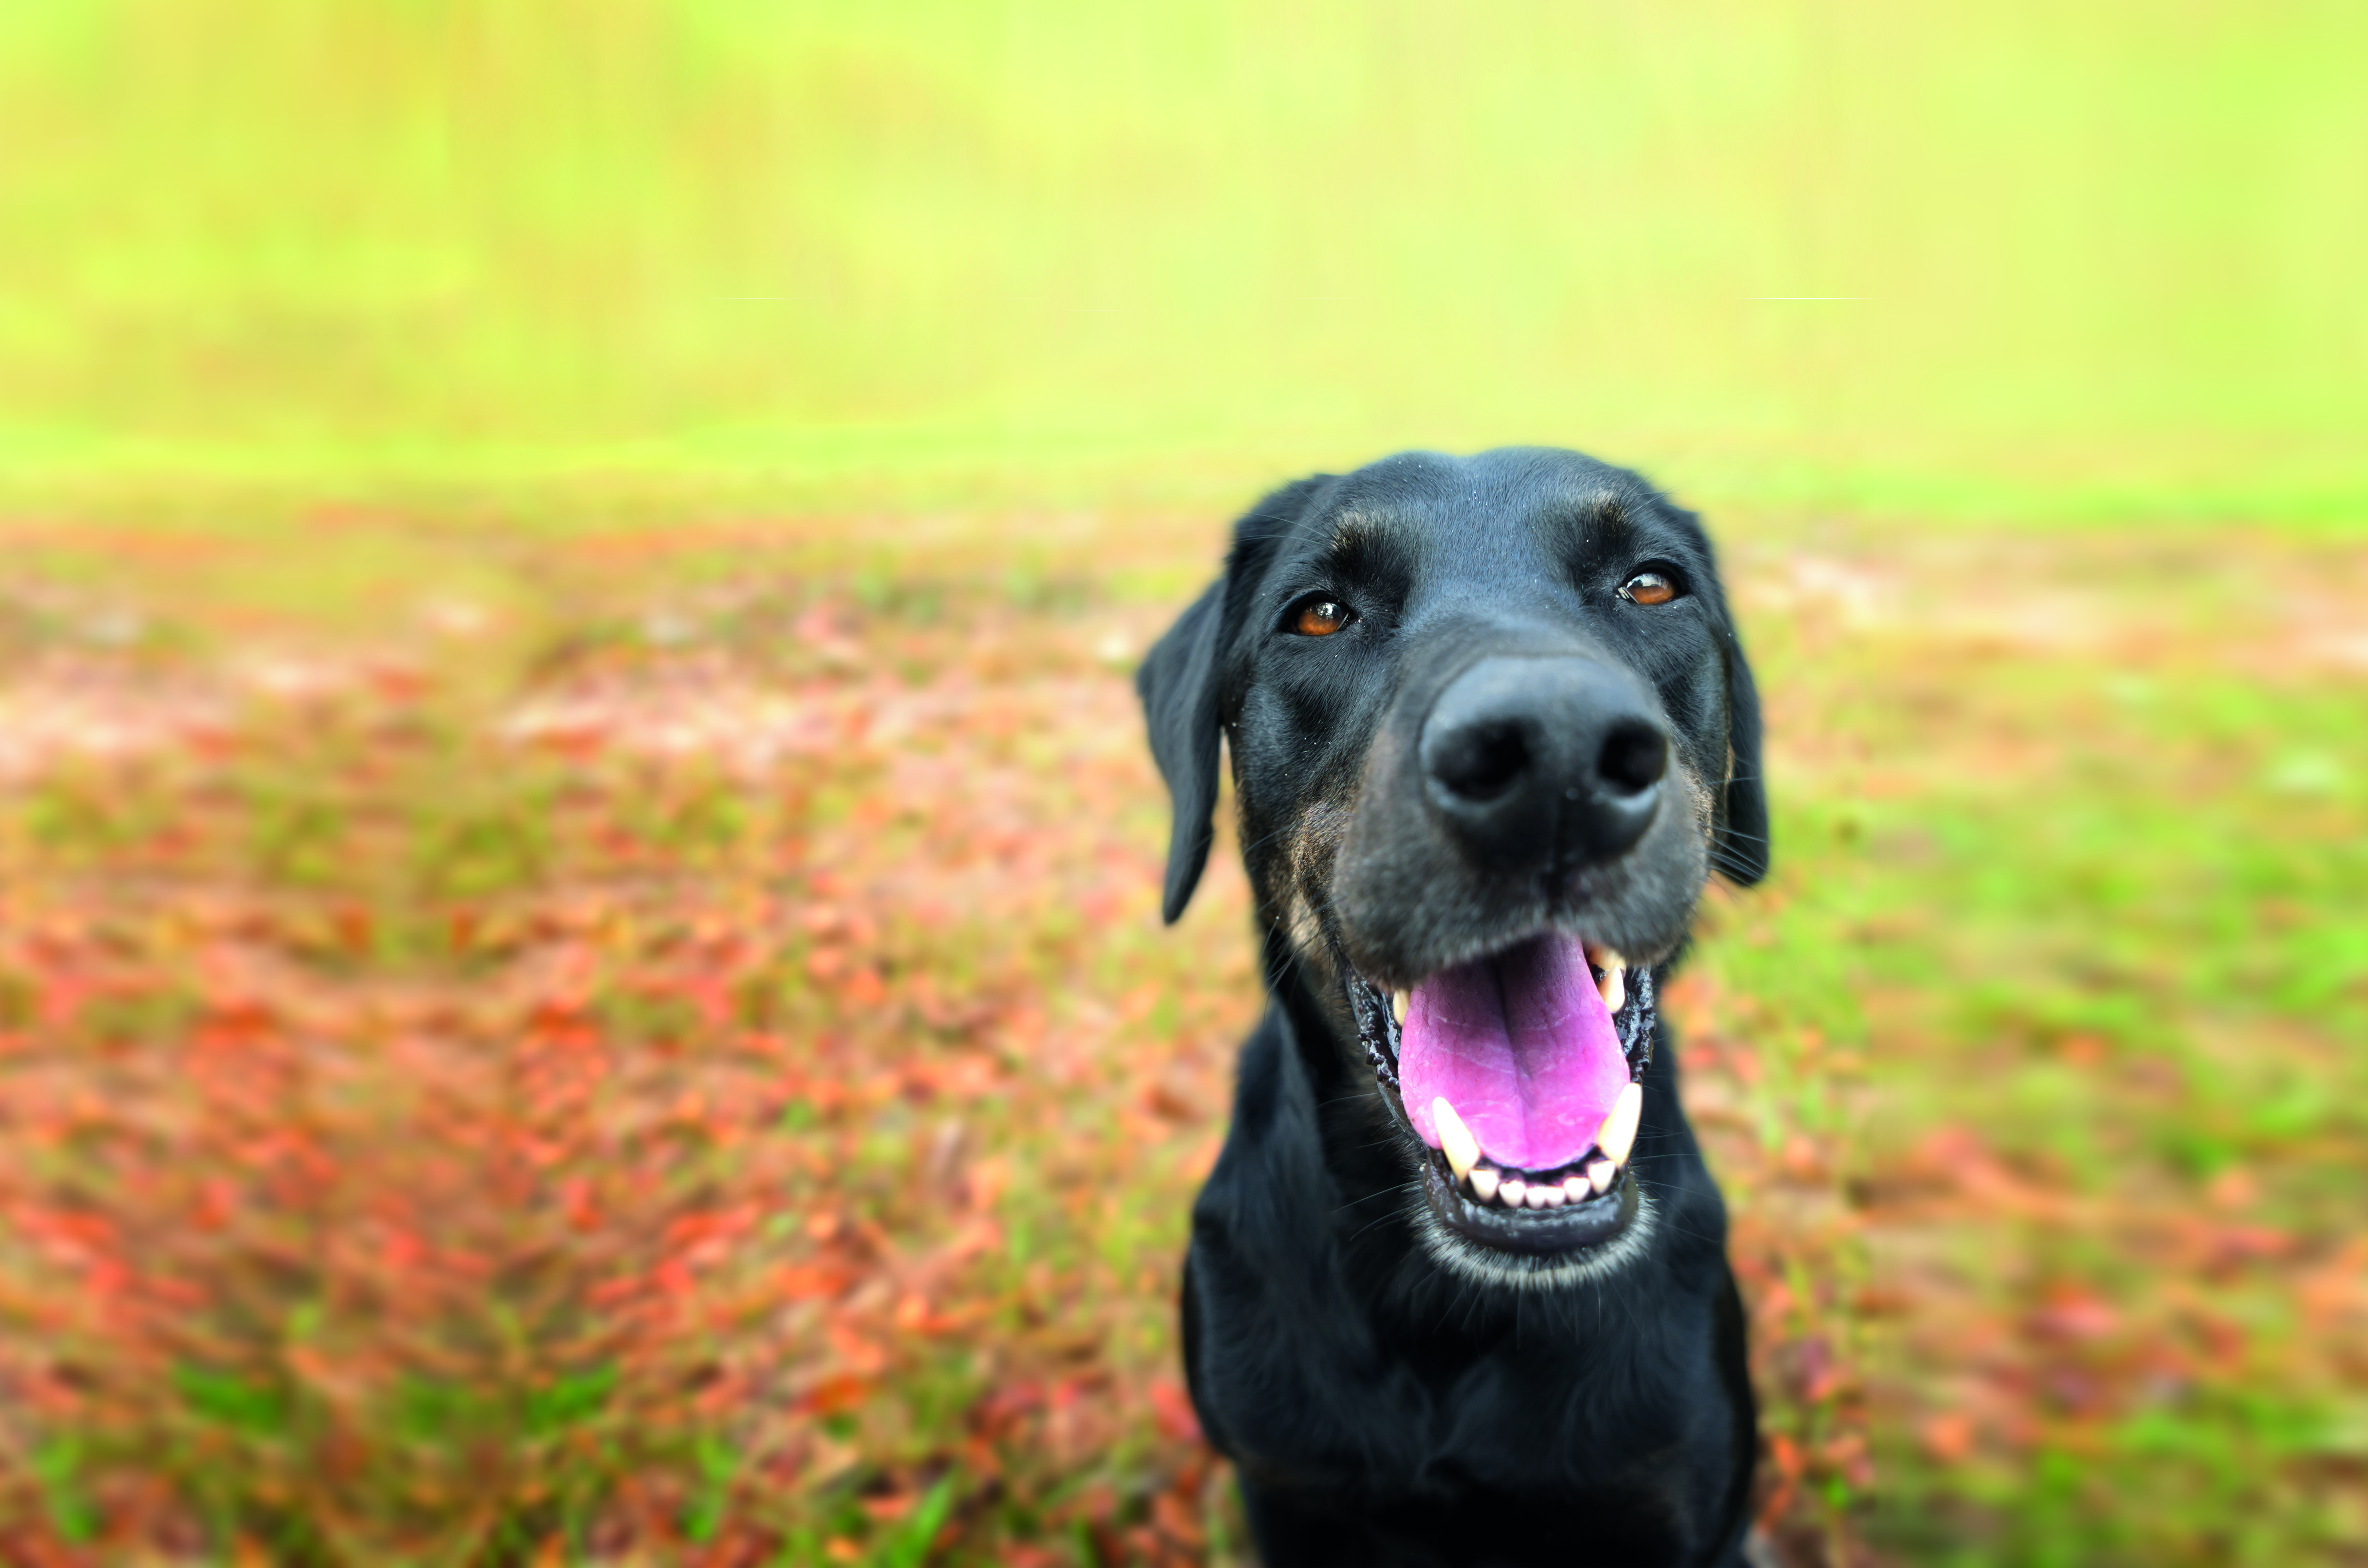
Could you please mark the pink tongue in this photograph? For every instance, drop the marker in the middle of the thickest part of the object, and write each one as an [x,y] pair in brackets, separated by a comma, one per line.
[1521,1046]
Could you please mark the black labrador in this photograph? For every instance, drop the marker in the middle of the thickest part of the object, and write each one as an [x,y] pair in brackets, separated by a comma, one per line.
[1457,1291]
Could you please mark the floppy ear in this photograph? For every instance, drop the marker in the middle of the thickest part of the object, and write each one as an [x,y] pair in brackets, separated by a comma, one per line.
[1178,685]
[1741,845]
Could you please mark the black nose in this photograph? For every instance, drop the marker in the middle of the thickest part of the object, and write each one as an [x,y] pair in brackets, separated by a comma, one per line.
[1532,762]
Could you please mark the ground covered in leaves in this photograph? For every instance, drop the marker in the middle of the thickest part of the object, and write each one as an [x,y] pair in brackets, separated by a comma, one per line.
[678,1062]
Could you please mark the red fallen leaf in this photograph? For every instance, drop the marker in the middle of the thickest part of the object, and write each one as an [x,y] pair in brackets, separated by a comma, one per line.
[856,1351]
[171,1292]
[814,1282]
[1173,1519]
[2082,1050]
[609,1292]
[576,1202]
[2074,1315]
[1948,1436]
[2223,1341]
[1173,1409]
[838,1393]
[2234,1245]
[1821,1375]
[1845,1454]
[1163,1101]
[1002,1407]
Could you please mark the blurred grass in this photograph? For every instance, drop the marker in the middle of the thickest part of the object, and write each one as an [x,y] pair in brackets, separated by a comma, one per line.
[2099,261]
[2059,975]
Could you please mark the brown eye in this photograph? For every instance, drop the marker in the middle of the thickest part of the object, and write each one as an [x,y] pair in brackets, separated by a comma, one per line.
[1320,618]
[1649,589]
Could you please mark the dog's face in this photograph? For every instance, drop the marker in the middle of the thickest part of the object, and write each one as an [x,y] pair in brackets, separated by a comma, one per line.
[1490,731]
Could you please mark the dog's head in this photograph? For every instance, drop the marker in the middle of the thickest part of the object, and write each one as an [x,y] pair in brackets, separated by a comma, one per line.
[1491,730]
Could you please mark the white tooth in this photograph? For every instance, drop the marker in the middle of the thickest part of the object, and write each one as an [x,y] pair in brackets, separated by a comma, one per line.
[1512,1192]
[1574,1187]
[1618,1133]
[1484,1181]
[1599,1174]
[1536,1197]
[1455,1139]
[1398,1000]
[1613,986]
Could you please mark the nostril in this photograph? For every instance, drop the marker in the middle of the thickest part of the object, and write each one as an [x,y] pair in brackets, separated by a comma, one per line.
[1633,757]
[1480,762]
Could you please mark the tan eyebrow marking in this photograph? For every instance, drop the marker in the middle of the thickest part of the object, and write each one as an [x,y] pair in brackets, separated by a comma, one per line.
[1605,509]
[1352,532]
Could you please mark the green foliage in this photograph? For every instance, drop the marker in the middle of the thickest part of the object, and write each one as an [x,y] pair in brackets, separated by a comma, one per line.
[57,1465]
[570,1398]
[2002,259]
[232,1400]
[908,1546]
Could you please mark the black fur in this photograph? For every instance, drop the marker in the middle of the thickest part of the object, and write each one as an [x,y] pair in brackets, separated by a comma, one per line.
[1389,1396]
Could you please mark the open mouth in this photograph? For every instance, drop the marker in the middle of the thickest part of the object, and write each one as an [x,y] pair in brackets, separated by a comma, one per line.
[1521,1072]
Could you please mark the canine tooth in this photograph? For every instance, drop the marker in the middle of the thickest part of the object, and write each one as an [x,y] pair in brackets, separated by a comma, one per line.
[1613,986]
[1455,1139]
[1618,1133]
[1574,1187]
[1513,1191]
[1599,1174]
[1398,1000]
[1484,1181]
[1536,1197]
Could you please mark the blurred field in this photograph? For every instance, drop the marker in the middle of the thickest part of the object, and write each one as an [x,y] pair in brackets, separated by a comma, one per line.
[2096,260]
[683,1066]
[579,969]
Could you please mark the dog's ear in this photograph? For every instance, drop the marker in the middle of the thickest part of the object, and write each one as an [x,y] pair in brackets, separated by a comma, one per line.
[1741,845]
[1178,685]
[1181,685]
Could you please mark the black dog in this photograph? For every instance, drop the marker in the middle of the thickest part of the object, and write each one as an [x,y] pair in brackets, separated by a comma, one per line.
[1458,1292]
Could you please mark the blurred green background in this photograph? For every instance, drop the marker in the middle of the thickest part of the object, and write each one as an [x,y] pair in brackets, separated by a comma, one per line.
[2097,260]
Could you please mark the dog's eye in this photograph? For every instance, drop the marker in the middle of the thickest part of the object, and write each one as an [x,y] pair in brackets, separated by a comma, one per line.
[1649,589]
[1320,618]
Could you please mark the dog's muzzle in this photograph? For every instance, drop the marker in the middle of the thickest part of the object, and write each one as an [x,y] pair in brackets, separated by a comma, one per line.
[1521,1075]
